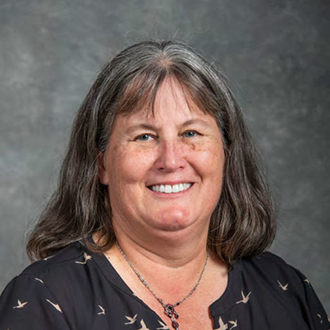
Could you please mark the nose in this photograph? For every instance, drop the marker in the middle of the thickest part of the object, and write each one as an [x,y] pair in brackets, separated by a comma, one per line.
[170,156]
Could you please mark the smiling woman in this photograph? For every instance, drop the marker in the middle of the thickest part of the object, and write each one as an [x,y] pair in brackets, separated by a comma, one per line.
[161,217]
[151,156]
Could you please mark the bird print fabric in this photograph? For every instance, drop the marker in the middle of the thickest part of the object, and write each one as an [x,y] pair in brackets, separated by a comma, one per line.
[76,289]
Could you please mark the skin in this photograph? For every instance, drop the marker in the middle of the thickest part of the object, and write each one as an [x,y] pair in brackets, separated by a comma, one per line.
[165,235]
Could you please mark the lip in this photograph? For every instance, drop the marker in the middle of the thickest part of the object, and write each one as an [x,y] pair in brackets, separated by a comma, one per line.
[171,188]
[171,183]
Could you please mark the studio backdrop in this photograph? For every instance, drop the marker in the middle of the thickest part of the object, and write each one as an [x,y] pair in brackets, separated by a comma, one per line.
[275,54]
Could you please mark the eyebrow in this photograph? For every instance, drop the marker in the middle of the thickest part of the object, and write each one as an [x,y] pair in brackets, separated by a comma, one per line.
[141,126]
[195,121]
[155,128]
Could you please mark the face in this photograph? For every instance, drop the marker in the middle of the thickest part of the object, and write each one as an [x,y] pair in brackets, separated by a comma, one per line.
[163,170]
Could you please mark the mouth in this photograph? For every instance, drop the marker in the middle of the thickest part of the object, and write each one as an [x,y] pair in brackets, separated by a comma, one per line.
[170,189]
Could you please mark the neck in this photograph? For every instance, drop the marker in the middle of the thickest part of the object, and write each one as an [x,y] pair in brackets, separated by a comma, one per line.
[164,256]
[170,249]
[173,272]
[171,261]
[173,268]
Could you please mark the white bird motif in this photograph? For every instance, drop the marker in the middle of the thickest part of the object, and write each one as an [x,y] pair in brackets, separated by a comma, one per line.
[320,317]
[223,326]
[307,281]
[55,305]
[245,298]
[131,319]
[143,325]
[20,304]
[164,326]
[283,287]
[102,310]
[86,257]
[233,323]
[38,279]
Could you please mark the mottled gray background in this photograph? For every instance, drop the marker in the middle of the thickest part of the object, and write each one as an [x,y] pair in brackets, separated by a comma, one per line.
[276,54]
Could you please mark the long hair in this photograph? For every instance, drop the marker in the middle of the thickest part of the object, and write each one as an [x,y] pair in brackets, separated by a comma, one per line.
[243,222]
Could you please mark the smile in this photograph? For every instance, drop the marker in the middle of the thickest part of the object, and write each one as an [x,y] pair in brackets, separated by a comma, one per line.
[168,189]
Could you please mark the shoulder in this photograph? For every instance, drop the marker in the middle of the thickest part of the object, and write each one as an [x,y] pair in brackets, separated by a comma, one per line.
[270,268]
[270,276]
[48,289]
[270,263]
[61,259]
[60,269]
[41,294]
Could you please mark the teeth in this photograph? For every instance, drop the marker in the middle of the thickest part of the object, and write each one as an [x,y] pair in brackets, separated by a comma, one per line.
[168,189]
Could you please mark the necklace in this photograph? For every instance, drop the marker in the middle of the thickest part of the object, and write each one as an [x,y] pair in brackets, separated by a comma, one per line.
[169,309]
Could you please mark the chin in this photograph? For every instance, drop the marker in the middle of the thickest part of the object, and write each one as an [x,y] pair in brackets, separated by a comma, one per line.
[174,221]
[171,227]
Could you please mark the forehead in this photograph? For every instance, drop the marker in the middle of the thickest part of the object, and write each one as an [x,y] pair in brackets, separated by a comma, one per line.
[171,100]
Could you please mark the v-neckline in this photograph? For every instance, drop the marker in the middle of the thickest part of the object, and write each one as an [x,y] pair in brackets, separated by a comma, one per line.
[219,306]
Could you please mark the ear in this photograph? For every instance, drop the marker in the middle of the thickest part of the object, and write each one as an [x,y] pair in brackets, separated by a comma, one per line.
[102,171]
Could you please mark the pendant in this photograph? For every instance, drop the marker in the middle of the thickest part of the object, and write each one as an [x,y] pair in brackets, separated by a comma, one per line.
[170,311]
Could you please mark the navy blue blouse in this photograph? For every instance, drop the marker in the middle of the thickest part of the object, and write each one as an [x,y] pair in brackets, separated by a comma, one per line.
[76,289]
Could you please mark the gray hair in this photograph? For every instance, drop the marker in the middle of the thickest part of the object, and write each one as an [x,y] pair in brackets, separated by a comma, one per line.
[243,222]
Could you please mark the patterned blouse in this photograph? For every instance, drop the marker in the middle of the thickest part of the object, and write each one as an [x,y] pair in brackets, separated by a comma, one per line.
[76,289]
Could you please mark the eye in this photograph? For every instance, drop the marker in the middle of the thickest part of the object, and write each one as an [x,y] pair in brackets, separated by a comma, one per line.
[190,134]
[144,137]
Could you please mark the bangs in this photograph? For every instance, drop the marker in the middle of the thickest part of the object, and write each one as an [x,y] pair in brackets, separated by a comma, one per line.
[140,93]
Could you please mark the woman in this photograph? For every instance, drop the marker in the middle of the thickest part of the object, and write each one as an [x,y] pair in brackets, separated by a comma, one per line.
[161,215]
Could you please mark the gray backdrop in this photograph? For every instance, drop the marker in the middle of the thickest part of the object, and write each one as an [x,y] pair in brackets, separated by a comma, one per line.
[276,54]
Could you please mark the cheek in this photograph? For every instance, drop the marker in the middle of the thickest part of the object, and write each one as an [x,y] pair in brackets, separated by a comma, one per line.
[193,146]
[210,167]
[209,155]
[128,164]
[213,164]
